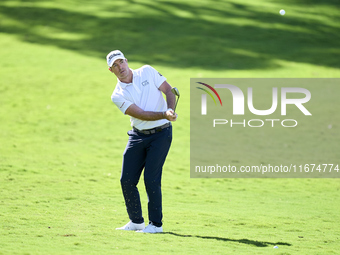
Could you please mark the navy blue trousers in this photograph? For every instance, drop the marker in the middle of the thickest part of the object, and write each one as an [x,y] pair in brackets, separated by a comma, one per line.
[146,152]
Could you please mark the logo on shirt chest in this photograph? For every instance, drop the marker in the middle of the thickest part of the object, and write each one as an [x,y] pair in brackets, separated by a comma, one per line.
[144,83]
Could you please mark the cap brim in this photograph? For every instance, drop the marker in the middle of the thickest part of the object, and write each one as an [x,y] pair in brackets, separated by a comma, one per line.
[113,60]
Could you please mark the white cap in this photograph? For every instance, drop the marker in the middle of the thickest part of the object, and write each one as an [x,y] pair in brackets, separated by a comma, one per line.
[113,56]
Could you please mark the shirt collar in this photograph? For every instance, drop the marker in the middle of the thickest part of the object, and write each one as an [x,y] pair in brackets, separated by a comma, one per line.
[124,85]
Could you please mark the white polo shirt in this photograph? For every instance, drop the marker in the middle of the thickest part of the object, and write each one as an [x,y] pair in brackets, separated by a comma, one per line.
[143,92]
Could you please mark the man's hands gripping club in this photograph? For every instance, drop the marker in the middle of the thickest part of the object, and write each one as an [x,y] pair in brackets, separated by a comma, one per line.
[170,115]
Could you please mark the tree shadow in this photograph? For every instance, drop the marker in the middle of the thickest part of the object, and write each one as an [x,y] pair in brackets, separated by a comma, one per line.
[217,36]
[243,241]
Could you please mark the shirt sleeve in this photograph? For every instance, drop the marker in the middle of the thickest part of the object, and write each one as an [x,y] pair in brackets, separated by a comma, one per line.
[157,77]
[121,102]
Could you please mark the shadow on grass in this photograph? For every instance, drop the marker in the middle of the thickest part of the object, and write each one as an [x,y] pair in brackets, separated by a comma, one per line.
[211,35]
[243,241]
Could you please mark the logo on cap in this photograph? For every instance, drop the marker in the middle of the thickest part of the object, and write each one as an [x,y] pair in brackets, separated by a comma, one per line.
[113,55]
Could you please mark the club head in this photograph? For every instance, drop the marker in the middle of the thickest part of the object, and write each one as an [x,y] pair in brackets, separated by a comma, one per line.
[175,91]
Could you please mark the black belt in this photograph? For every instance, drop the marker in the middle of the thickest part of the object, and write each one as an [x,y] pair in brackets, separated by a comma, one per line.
[152,130]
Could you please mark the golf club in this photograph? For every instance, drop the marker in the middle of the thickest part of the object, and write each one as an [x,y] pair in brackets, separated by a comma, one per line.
[176,92]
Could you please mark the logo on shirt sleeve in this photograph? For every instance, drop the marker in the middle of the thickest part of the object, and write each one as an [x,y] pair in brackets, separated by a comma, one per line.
[122,104]
[159,74]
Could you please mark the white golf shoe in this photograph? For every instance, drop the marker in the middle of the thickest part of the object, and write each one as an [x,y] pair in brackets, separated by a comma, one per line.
[152,229]
[132,226]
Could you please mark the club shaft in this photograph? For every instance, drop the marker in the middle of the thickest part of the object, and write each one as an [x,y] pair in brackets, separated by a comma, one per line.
[176,104]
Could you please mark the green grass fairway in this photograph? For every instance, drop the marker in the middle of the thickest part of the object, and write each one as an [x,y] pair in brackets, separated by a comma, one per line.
[62,139]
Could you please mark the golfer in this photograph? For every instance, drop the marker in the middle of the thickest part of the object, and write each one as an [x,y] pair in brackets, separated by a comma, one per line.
[138,93]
